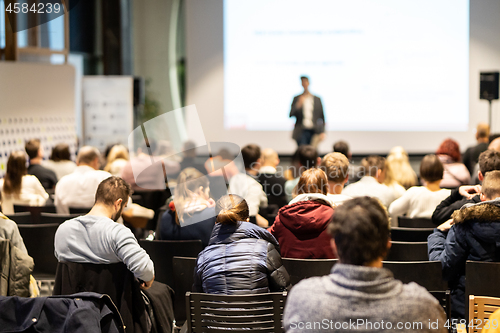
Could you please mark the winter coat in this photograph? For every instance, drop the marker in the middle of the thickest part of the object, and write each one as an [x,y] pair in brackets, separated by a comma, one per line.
[300,229]
[240,259]
[15,269]
[474,236]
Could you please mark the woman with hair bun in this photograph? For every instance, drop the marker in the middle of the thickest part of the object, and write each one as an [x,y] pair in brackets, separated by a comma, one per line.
[191,215]
[241,258]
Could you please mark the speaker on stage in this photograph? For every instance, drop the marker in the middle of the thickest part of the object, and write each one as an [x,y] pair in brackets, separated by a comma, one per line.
[488,88]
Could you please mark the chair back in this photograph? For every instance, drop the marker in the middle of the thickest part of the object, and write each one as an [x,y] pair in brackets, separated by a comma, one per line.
[415,222]
[300,269]
[410,234]
[79,210]
[162,253]
[20,218]
[428,274]
[35,211]
[39,241]
[220,313]
[444,300]
[183,282]
[408,251]
[56,218]
[480,310]
[476,274]
[153,200]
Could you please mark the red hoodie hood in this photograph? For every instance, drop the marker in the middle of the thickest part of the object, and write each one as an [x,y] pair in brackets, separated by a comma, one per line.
[306,217]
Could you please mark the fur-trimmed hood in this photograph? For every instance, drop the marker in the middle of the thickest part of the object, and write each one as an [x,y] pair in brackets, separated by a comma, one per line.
[487,211]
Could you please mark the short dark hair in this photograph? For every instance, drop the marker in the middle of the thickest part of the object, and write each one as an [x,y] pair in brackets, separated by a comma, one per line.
[87,154]
[341,147]
[250,154]
[112,189]
[360,228]
[32,148]
[431,168]
[303,77]
[489,160]
[307,156]
[372,164]
[491,185]
[60,153]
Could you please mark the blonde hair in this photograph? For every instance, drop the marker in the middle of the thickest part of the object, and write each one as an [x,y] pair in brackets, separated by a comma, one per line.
[188,182]
[336,167]
[231,208]
[117,152]
[399,169]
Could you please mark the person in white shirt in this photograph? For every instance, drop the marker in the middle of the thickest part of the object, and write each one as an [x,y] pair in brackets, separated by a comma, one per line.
[246,185]
[60,161]
[19,188]
[421,201]
[78,188]
[372,183]
[336,167]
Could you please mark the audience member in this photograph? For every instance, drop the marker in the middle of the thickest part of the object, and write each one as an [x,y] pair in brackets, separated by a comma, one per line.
[372,183]
[397,189]
[272,183]
[420,201]
[189,159]
[223,160]
[247,186]
[355,171]
[78,189]
[117,158]
[192,213]
[60,161]
[305,157]
[300,227]
[401,170]
[455,172]
[241,258]
[336,167]
[96,238]
[494,145]
[360,295]
[471,155]
[47,177]
[472,234]
[19,188]
[10,231]
[489,160]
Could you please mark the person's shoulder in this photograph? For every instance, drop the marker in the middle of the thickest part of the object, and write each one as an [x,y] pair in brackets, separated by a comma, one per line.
[418,294]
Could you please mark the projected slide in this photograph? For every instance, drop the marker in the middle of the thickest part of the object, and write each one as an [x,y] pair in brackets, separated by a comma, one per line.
[384,65]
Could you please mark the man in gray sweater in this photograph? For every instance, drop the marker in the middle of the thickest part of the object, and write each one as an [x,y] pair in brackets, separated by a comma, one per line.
[359,295]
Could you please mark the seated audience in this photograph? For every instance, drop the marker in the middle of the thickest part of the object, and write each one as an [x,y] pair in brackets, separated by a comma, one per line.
[78,189]
[19,188]
[96,238]
[241,258]
[336,167]
[472,234]
[10,231]
[397,189]
[401,170]
[305,157]
[189,158]
[355,171]
[372,183]
[191,215]
[471,155]
[60,161]
[223,159]
[420,201]
[272,183]
[117,159]
[455,172]
[247,186]
[300,227]
[360,295]
[47,177]
[489,160]
[494,145]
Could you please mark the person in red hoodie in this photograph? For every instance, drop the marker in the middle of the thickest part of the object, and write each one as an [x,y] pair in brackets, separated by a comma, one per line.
[300,227]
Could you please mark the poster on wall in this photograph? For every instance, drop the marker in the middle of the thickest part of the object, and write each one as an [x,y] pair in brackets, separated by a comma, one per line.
[107,110]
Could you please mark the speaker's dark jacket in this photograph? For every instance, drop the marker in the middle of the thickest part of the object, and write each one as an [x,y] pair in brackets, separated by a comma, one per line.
[318,117]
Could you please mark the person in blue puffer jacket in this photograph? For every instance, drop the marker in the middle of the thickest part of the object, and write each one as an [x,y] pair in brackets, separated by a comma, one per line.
[241,258]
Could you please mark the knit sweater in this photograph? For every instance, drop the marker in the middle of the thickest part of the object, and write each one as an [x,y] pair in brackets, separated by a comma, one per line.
[361,299]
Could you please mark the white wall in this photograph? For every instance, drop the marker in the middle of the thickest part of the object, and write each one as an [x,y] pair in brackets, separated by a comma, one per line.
[204,49]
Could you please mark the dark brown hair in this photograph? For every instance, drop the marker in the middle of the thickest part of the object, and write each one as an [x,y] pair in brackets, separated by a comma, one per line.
[250,154]
[60,153]
[231,208]
[32,147]
[112,189]
[360,228]
[312,181]
[431,168]
[16,169]
[372,164]
[489,160]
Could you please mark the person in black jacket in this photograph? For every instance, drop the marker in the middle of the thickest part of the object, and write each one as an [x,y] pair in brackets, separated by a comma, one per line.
[241,258]
[489,160]
[473,234]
